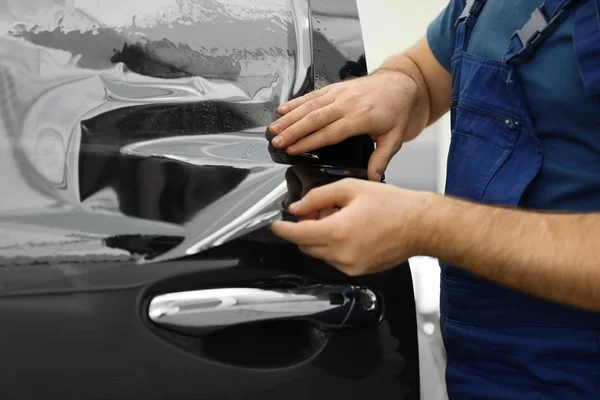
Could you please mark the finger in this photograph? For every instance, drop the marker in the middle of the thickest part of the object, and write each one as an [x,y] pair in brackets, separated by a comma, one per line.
[303,121]
[312,216]
[319,252]
[326,136]
[305,233]
[337,194]
[387,146]
[321,214]
[327,212]
[297,102]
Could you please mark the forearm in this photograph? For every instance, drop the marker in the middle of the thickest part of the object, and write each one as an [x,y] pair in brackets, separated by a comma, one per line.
[434,84]
[551,256]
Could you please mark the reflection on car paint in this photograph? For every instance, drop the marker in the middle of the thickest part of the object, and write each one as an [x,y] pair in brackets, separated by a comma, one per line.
[140,134]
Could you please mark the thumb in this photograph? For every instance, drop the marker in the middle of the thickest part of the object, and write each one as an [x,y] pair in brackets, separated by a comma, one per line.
[337,194]
[387,147]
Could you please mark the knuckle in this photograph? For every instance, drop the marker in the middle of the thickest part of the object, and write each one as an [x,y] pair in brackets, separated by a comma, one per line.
[364,110]
[310,106]
[341,234]
[316,191]
[291,132]
[385,158]
[284,125]
[328,135]
[336,108]
[325,89]
[337,87]
[286,122]
[351,97]
[311,96]
[313,194]
[326,100]
[348,183]
[316,117]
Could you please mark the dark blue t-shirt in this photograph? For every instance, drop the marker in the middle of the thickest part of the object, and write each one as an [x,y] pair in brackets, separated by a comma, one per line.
[566,119]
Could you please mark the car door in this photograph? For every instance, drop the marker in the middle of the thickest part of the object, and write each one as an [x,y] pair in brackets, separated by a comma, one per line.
[137,184]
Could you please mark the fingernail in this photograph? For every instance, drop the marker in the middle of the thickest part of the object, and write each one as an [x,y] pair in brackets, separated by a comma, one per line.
[277,141]
[283,109]
[378,175]
[294,206]
[276,127]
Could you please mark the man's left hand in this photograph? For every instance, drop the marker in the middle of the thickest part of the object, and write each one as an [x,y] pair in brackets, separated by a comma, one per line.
[377,226]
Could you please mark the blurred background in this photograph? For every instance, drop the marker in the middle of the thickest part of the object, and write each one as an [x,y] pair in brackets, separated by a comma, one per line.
[390,27]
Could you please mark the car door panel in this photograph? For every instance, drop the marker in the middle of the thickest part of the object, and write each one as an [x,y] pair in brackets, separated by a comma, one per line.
[135,166]
[85,333]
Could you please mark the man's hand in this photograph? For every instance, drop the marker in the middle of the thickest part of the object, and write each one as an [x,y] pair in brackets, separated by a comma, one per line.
[380,105]
[552,256]
[373,231]
[393,105]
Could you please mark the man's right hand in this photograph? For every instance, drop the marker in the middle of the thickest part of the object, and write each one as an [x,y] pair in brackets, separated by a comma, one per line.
[379,105]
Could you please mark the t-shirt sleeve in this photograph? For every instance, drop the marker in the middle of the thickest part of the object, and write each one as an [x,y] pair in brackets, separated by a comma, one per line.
[441,33]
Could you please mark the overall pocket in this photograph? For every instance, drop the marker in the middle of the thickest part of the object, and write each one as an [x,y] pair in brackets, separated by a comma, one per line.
[481,143]
[521,362]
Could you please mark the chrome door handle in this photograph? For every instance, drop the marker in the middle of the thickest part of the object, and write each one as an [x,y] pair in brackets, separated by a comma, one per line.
[328,306]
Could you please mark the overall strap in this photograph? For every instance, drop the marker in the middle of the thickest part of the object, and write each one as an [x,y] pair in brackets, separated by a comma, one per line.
[544,21]
[586,38]
[469,18]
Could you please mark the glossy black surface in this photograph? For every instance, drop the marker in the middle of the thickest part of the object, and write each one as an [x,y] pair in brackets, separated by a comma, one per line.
[134,162]
[75,331]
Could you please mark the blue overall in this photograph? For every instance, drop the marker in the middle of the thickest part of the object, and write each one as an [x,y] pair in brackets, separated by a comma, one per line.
[502,344]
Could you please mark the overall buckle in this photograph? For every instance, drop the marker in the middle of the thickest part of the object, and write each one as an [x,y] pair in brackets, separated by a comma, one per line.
[470,12]
[532,33]
[537,29]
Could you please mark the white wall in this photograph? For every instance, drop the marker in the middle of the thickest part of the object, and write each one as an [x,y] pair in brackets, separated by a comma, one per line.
[390,27]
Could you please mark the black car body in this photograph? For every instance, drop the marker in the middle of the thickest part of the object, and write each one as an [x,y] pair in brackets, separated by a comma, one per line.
[136,183]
